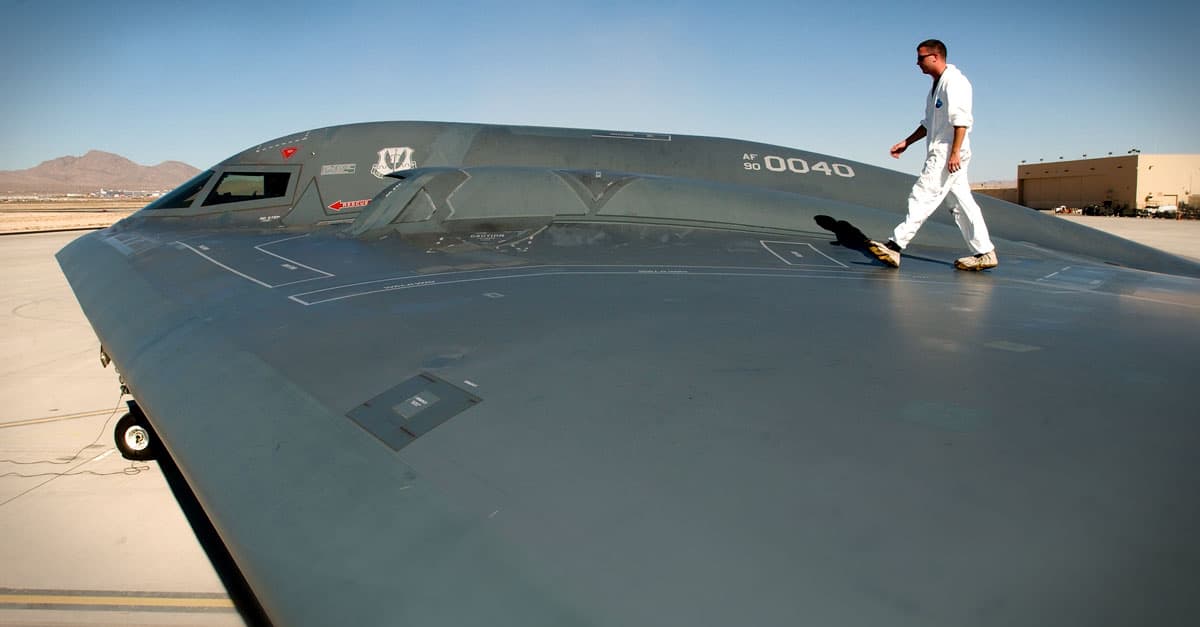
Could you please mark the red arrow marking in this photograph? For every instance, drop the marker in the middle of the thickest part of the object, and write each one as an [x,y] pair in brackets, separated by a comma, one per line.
[288,152]
[349,204]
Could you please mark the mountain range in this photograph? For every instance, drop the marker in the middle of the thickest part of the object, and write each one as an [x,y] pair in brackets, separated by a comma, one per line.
[92,172]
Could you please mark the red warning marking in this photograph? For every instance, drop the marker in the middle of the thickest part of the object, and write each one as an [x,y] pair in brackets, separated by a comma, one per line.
[349,204]
[288,152]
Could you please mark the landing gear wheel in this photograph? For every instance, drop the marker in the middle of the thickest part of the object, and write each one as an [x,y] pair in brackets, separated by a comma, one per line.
[135,440]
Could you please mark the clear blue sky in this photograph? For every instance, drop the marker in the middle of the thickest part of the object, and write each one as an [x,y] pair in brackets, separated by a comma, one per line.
[198,81]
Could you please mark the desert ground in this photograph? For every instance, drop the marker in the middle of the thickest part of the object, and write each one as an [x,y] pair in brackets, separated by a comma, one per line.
[25,216]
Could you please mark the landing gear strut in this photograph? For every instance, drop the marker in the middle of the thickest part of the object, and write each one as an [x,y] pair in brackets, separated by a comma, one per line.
[135,438]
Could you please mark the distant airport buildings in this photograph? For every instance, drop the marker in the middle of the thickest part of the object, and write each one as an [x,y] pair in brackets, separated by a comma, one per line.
[1131,182]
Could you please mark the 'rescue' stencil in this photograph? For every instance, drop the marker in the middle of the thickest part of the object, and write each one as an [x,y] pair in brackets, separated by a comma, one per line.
[349,204]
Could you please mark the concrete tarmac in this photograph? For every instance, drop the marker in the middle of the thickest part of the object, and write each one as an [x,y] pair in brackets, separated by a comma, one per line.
[86,537]
[1178,237]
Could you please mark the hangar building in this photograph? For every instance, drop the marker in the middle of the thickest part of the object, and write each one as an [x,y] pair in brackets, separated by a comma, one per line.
[1134,181]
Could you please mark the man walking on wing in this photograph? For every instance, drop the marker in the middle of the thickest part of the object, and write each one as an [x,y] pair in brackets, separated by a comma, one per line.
[946,125]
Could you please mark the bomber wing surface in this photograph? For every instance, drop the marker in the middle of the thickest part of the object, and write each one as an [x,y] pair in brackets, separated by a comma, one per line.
[452,374]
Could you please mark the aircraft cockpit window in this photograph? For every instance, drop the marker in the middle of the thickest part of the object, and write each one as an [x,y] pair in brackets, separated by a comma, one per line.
[183,196]
[242,186]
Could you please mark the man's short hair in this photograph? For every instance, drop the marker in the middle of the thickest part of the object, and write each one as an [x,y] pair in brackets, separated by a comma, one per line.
[936,45]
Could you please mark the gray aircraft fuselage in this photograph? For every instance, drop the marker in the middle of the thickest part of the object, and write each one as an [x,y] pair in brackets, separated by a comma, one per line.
[450,374]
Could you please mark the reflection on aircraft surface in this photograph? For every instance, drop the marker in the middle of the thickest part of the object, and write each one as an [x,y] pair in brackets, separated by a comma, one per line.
[457,374]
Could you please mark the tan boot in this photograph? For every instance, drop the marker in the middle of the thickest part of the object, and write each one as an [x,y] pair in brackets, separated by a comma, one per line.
[978,262]
[884,253]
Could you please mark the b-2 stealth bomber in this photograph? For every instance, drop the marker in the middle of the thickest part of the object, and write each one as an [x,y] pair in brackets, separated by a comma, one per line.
[458,374]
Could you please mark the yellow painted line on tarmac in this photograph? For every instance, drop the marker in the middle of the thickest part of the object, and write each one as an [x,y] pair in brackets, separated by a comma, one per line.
[33,599]
[38,421]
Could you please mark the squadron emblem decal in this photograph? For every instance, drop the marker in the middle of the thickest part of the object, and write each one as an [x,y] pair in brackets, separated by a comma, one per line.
[393,160]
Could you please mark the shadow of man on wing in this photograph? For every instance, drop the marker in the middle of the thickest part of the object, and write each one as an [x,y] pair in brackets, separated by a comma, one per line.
[849,236]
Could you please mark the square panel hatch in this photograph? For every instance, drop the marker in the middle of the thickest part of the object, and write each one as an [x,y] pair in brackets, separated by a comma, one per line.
[411,409]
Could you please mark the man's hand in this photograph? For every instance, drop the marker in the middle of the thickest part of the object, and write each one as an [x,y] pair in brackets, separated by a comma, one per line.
[954,162]
[917,135]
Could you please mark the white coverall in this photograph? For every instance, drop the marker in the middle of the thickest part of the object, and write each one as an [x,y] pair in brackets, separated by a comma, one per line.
[949,105]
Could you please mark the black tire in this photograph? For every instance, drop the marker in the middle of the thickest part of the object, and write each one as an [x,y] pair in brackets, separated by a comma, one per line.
[135,439]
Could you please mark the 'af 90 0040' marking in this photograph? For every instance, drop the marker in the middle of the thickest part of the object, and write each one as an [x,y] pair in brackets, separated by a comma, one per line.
[795,165]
